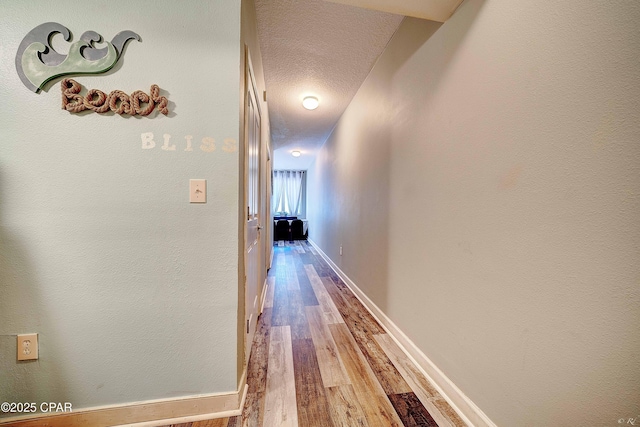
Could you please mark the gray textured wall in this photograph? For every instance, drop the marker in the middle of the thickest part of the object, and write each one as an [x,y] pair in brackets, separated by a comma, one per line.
[485,184]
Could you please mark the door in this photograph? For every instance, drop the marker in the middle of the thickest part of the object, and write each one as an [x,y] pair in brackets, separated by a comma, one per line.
[253,234]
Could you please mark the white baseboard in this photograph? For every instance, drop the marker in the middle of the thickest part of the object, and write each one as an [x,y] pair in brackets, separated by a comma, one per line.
[270,259]
[468,411]
[142,414]
[263,297]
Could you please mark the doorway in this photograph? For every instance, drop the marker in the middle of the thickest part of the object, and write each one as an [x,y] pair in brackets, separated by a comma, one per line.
[254,189]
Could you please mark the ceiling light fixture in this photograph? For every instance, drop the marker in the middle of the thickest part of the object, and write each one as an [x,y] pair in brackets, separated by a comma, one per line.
[310,102]
[296,153]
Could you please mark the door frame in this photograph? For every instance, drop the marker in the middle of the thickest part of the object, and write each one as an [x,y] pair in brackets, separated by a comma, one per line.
[248,323]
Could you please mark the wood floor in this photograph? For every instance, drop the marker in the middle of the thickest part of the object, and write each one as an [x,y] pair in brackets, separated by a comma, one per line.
[320,359]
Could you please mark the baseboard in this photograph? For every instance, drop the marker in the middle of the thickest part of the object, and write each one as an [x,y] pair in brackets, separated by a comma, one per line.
[263,297]
[142,414]
[270,259]
[468,411]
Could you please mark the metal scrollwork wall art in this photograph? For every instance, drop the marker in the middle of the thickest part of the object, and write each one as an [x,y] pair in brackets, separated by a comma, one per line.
[37,63]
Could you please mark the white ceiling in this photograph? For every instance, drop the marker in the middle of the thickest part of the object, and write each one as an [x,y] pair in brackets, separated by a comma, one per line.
[315,47]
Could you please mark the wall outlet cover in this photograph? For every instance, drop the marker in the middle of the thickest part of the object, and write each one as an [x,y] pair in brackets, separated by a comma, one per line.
[28,347]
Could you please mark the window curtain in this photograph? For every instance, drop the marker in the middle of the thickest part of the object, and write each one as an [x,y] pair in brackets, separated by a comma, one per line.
[287,192]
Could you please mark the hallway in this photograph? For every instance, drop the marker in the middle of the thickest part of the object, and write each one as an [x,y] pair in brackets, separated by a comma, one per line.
[320,359]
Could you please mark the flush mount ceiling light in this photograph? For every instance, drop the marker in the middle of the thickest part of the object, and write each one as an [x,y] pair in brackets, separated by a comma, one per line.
[310,102]
[296,153]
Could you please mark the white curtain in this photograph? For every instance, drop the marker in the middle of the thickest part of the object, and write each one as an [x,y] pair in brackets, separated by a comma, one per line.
[277,201]
[287,192]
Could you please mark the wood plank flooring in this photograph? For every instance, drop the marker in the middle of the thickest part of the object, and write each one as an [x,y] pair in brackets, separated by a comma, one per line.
[320,359]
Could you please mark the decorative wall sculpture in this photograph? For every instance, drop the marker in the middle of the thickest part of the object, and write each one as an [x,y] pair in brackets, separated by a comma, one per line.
[38,63]
[117,101]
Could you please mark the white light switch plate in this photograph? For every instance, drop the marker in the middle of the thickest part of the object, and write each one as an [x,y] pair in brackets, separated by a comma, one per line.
[198,190]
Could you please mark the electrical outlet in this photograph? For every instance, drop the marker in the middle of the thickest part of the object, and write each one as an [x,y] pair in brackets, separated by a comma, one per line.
[340,250]
[198,190]
[28,347]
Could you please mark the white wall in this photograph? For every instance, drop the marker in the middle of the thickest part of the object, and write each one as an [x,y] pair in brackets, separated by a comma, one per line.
[485,185]
[133,291]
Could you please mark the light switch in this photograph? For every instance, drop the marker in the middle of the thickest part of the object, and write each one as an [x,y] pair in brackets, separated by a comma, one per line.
[198,190]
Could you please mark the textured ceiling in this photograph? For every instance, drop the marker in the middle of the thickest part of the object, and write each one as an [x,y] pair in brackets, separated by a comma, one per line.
[314,47]
[435,10]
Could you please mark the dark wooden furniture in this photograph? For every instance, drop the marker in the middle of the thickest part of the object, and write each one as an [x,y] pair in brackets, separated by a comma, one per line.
[296,230]
[282,231]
